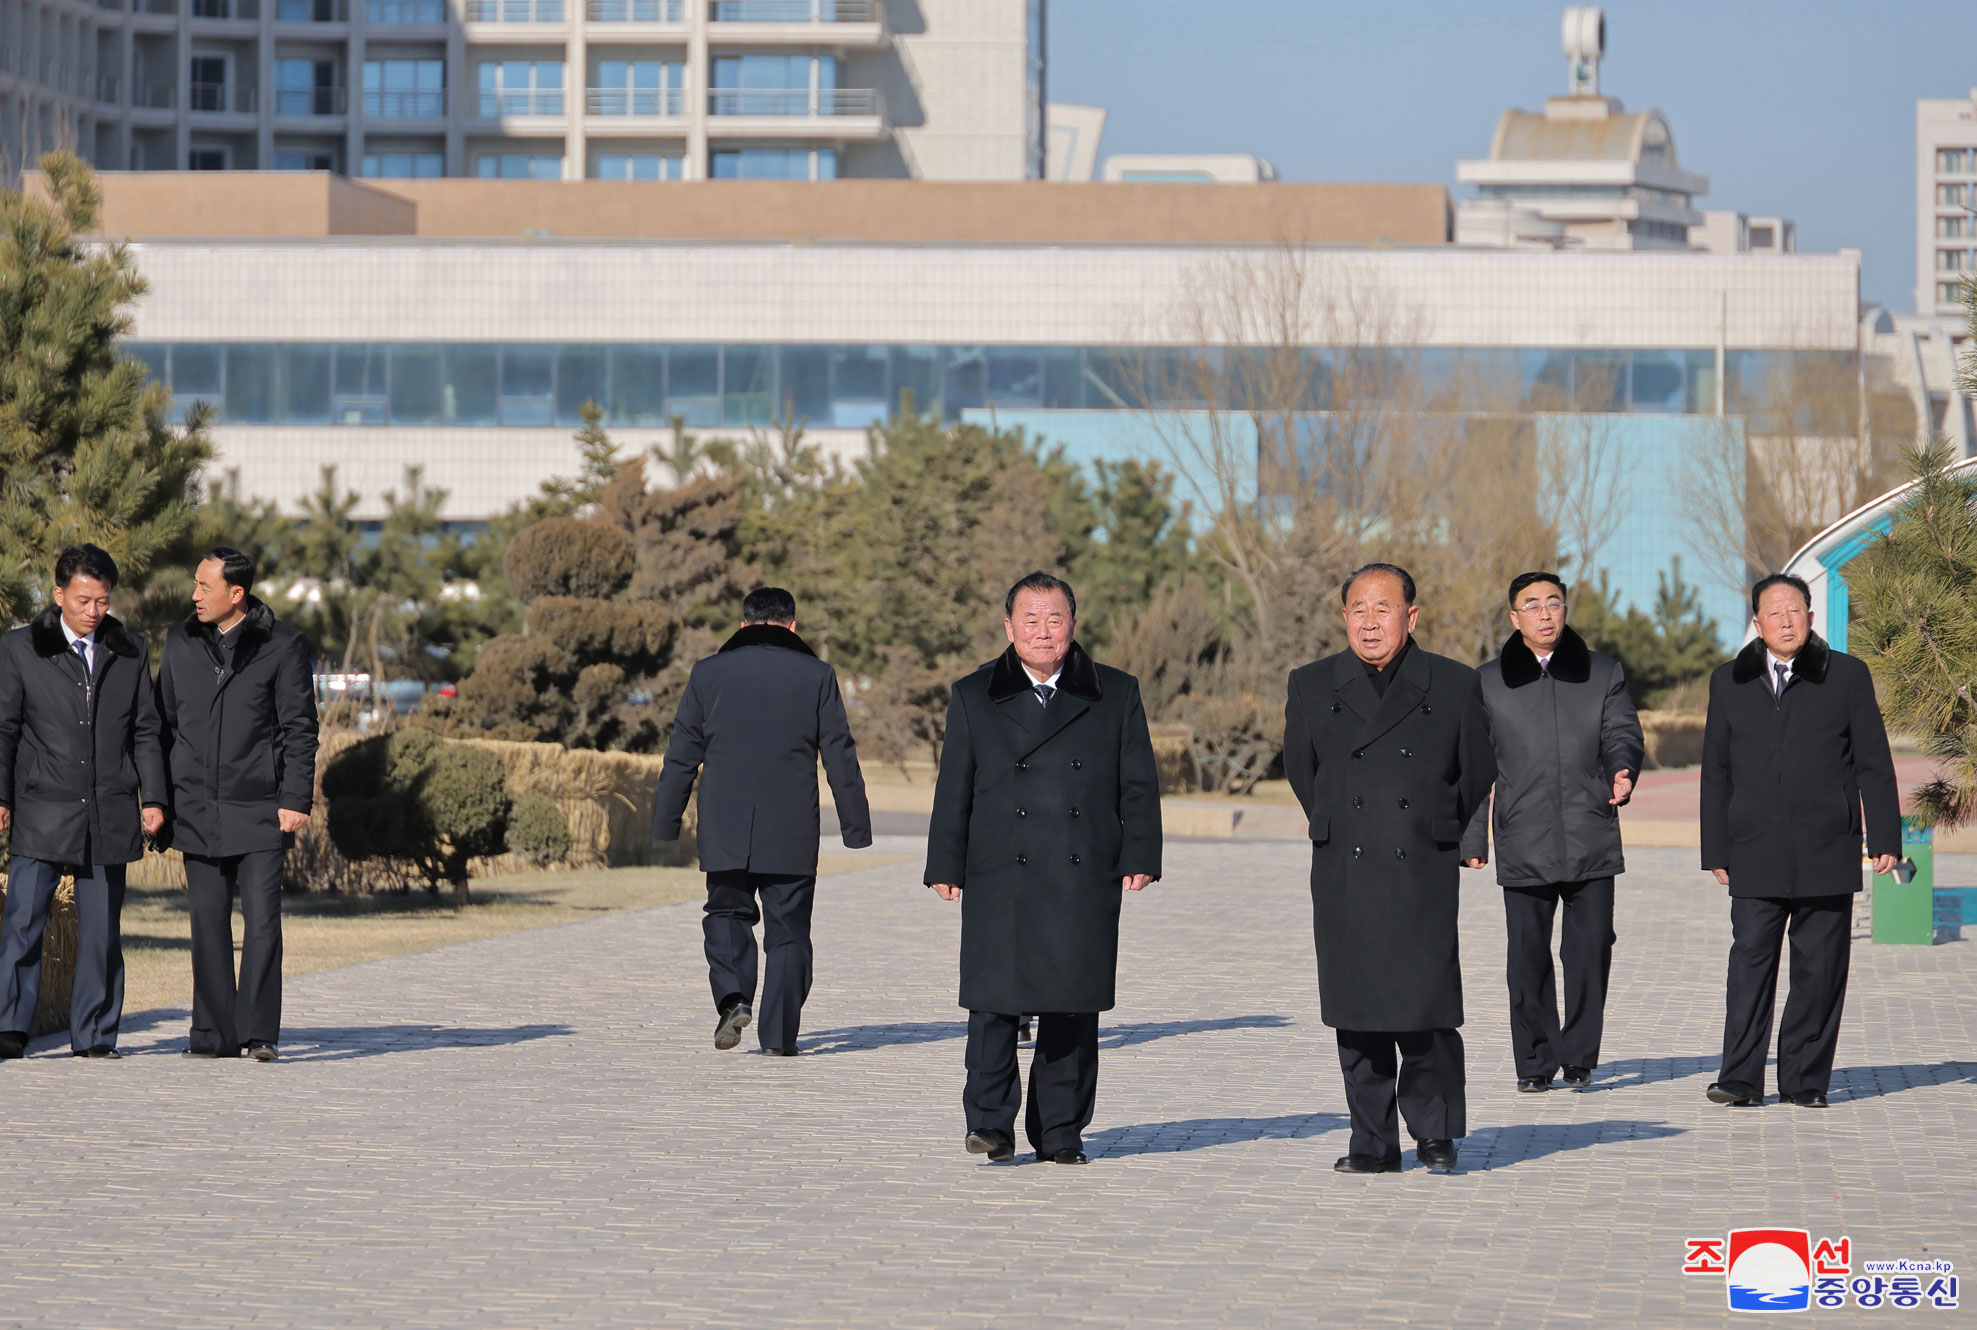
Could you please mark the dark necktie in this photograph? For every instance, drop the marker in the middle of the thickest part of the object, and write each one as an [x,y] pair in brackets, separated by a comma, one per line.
[81,645]
[1782,671]
[1544,667]
[1044,693]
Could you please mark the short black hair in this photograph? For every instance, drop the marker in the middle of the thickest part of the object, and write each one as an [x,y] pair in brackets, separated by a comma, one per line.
[1522,580]
[235,567]
[1393,569]
[768,604]
[1045,583]
[1764,584]
[89,560]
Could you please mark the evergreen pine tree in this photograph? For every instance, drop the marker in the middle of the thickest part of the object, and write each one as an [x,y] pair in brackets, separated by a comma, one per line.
[86,453]
[1914,600]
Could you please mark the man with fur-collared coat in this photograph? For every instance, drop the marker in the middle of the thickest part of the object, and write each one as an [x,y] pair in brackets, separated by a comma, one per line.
[1388,749]
[1047,807]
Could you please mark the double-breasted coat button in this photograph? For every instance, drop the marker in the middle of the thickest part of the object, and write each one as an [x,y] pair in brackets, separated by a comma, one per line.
[1358,850]
[1337,707]
[1358,802]
[1075,813]
[1077,765]
[1022,860]
[1075,861]
[1400,853]
[1022,812]
[1407,752]
[1359,752]
[1022,766]
[1427,710]
[1403,803]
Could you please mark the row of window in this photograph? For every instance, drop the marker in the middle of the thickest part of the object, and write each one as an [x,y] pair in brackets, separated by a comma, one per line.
[430,164]
[1953,196]
[1949,293]
[1956,160]
[1952,260]
[552,11]
[482,384]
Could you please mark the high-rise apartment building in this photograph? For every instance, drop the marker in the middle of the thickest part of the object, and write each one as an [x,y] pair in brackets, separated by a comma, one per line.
[1945,200]
[536,89]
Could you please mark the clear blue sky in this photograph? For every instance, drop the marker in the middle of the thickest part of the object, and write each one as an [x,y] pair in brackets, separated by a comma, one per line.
[1806,110]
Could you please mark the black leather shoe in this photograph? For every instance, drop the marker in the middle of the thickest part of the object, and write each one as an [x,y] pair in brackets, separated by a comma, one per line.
[779,1052]
[1533,1084]
[12,1045]
[999,1146]
[1436,1156]
[100,1051]
[261,1050]
[1063,1157]
[1807,1098]
[1366,1164]
[1734,1093]
[1579,1077]
[733,1021]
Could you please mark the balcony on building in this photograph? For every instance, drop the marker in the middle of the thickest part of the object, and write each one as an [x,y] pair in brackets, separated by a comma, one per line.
[841,23]
[154,15]
[628,96]
[310,16]
[408,89]
[405,13]
[791,96]
[524,20]
[240,17]
[635,20]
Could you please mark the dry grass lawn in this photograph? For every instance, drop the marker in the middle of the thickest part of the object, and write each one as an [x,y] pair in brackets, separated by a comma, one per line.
[329,932]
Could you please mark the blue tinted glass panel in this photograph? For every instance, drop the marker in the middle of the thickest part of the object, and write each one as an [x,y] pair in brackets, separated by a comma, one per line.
[1063,378]
[805,379]
[1700,397]
[473,379]
[966,383]
[154,356]
[359,397]
[1599,380]
[693,384]
[1658,381]
[916,379]
[418,395]
[1015,377]
[581,376]
[305,384]
[528,377]
[251,375]
[859,397]
[748,385]
[638,385]
[196,371]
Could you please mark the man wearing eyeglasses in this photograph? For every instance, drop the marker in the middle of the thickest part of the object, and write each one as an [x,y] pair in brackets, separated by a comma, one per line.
[1568,751]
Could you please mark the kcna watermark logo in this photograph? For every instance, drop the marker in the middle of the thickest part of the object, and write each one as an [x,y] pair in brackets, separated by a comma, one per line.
[1784,1270]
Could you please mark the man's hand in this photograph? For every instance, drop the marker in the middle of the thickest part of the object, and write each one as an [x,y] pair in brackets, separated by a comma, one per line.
[154,821]
[1474,863]
[1623,789]
[1136,881]
[1722,875]
[947,891]
[6,814]
[1884,864]
[290,820]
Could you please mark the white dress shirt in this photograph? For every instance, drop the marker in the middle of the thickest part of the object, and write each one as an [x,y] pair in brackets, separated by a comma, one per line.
[88,647]
[1050,683]
[1777,684]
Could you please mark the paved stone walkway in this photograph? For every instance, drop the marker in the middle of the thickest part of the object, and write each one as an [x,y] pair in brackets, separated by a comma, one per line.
[534,1131]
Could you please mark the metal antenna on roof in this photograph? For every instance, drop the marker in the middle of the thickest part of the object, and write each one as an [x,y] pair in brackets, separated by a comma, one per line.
[1584,35]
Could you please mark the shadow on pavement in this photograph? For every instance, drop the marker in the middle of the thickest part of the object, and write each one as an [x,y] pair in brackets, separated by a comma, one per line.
[1124,1036]
[862,1038]
[1149,1138]
[1874,1082]
[1629,1072]
[1503,1147]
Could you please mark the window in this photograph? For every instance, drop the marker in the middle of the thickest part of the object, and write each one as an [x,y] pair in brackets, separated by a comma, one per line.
[473,385]
[1949,196]
[636,87]
[307,11]
[519,166]
[405,89]
[748,385]
[583,374]
[693,389]
[636,11]
[1952,260]
[404,164]
[418,388]
[358,397]
[405,11]
[858,394]
[638,385]
[1952,160]
[306,87]
[1657,381]
[305,159]
[305,385]
[636,166]
[1762,237]
[207,158]
[521,87]
[1948,293]
[206,84]
[776,164]
[771,84]
[527,385]
[1951,227]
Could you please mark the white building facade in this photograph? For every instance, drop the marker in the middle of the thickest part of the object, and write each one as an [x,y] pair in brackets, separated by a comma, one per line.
[1945,201]
[537,89]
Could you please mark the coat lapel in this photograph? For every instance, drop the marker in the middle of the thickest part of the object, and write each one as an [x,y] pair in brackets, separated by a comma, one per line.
[1403,694]
[1063,709]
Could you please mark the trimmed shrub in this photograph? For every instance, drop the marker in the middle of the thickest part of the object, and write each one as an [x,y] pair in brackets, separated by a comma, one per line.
[412,797]
[569,556]
[538,831]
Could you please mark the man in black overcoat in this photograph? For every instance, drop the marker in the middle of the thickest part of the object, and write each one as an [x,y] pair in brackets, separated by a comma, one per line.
[1388,749]
[1795,762]
[236,693]
[1046,806]
[1568,749]
[79,750]
[754,720]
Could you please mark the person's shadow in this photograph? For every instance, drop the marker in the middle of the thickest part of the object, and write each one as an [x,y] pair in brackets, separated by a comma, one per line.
[1626,1073]
[865,1038]
[1146,1138]
[1876,1082]
[1489,1148]
[341,1043]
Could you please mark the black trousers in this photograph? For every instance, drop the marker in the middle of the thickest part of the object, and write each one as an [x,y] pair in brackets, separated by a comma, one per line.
[729,930]
[1821,929]
[1431,1084]
[1538,1042]
[96,1003]
[226,1014]
[1063,1077]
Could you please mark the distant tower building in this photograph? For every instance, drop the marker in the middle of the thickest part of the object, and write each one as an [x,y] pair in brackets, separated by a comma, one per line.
[1945,200]
[1583,172]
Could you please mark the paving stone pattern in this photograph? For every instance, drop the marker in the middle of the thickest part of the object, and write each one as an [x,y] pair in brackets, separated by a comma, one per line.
[534,1130]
